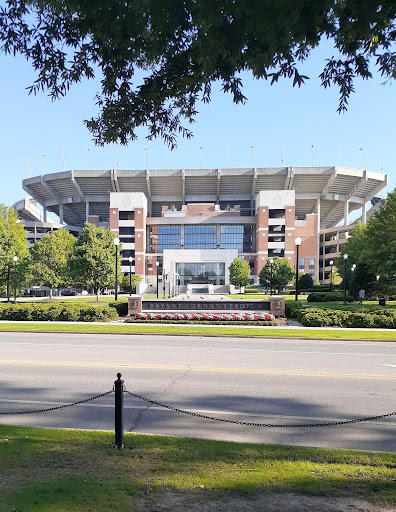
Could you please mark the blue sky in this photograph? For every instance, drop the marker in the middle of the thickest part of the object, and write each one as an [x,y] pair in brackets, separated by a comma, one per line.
[273,116]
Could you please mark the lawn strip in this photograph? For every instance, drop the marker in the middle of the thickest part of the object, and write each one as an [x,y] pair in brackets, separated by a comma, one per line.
[193,330]
[53,470]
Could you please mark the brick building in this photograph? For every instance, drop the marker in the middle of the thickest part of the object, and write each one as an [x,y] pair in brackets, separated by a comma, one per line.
[189,225]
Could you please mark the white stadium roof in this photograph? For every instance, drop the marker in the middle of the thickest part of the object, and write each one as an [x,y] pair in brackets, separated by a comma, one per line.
[330,186]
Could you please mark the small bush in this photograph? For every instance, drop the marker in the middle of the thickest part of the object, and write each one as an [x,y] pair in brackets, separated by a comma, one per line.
[121,307]
[293,308]
[57,312]
[251,290]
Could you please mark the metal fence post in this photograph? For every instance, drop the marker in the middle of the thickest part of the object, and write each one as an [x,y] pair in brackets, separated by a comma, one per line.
[119,412]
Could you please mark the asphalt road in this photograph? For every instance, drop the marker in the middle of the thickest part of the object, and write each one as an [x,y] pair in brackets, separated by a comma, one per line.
[251,380]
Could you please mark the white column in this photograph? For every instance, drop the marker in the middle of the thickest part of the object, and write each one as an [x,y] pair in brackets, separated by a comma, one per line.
[86,211]
[346,212]
[318,240]
[44,214]
[61,213]
[364,213]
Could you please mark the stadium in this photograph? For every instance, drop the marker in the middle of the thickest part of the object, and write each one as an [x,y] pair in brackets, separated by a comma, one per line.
[183,228]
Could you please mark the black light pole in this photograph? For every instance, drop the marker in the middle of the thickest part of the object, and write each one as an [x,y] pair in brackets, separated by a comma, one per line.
[116,242]
[15,275]
[297,242]
[331,275]
[271,263]
[345,276]
[164,281]
[130,275]
[157,265]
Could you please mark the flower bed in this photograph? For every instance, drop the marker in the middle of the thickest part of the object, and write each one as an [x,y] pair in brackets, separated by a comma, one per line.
[207,316]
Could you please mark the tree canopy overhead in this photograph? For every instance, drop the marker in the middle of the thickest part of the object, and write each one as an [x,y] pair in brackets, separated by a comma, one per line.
[184,46]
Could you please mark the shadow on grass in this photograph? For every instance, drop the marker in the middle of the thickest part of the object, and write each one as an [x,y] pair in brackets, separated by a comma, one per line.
[45,470]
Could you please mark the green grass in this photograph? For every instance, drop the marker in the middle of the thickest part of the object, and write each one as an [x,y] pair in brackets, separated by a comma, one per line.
[193,330]
[57,471]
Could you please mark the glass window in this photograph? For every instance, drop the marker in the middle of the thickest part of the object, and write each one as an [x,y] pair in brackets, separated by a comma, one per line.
[126,231]
[311,266]
[231,237]
[301,265]
[164,237]
[126,215]
[198,273]
[200,237]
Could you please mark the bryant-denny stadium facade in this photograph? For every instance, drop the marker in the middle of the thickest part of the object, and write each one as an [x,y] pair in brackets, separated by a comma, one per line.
[194,222]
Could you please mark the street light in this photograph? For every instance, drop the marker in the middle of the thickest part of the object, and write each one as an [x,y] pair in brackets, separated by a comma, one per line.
[297,241]
[157,265]
[271,263]
[164,281]
[130,275]
[15,283]
[116,242]
[345,276]
[331,275]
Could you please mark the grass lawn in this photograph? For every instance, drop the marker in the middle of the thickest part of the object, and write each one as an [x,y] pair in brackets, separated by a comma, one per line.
[193,330]
[62,470]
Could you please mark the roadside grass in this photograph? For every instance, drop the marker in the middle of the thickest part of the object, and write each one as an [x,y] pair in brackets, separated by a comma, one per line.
[44,470]
[194,330]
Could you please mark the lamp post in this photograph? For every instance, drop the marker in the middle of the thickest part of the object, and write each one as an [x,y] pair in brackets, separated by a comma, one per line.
[130,275]
[271,263]
[15,283]
[297,241]
[116,242]
[163,281]
[331,275]
[345,276]
[157,265]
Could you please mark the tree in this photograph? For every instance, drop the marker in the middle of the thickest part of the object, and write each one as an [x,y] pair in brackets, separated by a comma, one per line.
[50,257]
[305,282]
[156,60]
[134,281]
[93,258]
[12,243]
[282,273]
[239,273]
[380,253]
[362,278]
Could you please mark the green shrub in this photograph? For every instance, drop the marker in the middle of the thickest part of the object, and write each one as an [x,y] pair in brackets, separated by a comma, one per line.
[251,290]
[293,308]
[328,297]
[57,312]
[121,307]
[315,317]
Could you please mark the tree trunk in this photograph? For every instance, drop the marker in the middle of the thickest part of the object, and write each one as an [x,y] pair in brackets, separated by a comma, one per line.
[50,292]
[97,294]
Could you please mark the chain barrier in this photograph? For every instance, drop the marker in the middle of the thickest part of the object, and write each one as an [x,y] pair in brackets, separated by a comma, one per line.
[60,406]
[251,424]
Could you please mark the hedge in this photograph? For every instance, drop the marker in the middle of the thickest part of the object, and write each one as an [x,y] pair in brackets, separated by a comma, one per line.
[293,308]
[313,317]
[61,312]
[327,297]
[121,307]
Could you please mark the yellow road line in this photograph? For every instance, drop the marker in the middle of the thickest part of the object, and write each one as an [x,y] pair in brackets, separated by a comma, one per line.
[300,373]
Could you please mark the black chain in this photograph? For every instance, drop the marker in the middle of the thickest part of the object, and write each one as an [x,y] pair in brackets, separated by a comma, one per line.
[60,406]
[250,424]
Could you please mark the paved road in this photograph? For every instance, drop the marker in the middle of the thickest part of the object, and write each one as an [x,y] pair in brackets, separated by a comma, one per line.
[254,380]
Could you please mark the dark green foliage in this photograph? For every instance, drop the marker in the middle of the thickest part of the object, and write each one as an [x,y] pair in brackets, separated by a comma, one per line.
[239,272]
[282,273]
[157,60]
[57,312]
[328,297]
[121,307]
[251,290]
[305,282]
[293,308]
[313,317]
